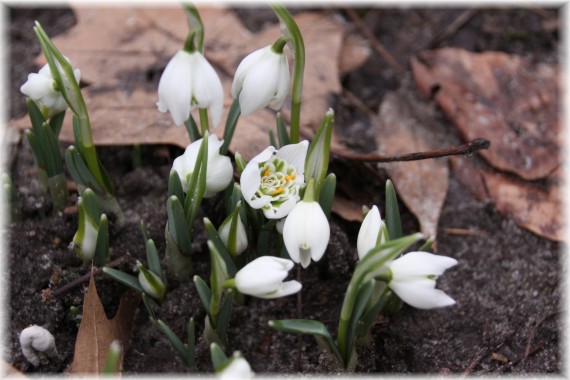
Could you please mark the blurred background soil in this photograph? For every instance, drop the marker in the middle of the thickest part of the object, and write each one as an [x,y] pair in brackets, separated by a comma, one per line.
[507,284]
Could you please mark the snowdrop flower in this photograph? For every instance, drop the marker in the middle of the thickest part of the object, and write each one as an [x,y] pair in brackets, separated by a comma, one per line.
[241,235]
[237,368]
[413,279]
[271,180]
[261,79]
[189,81]
[306,233]
[35,339]
[370,232]
[43,90]
[219,171]
[150,282]
[263,278]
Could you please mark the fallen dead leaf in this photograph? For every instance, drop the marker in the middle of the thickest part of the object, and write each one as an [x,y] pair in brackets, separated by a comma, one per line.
[96,331]
[122,51]
[355,52]
[347,209]
[421,185]
[534,206]
[502,98]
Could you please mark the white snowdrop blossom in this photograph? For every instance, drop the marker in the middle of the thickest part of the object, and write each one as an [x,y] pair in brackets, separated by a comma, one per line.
[238,368]
[306,233]
[219,170]
[261,79]
[189,81]
[263,278]
[369,232]
[43,90]
[35,339]
[271,180]
[241,235]
[150,282]
[413,279]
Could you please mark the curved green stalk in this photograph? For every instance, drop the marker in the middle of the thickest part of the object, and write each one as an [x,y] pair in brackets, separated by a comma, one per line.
[298,70]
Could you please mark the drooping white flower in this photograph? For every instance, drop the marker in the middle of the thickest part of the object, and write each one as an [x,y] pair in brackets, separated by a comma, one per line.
[370,230]
[237,368]
[35,339]
[219,170]
[263,278]
[261,79]
[271,180]
[189,81]
[306,233]
[413,279]
[42,89]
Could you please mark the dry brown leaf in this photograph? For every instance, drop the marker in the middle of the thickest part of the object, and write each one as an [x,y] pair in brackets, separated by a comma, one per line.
[421,185]
[502,98]
[347,209]
[122,50]
[96,331]
[534,206]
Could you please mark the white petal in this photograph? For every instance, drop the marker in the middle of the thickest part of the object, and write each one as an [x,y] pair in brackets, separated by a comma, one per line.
[262,275]
[416,264]
[283,210]
[251,179]
[368,234]
[237,369]
[282,84]
[259,85]
[243,69]
[207,88]
[287,288]
[175,87]
[295,155]
[306,233]
[37,86]
[421,294]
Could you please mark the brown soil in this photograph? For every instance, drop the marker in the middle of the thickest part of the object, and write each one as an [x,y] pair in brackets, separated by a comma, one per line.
[507,284]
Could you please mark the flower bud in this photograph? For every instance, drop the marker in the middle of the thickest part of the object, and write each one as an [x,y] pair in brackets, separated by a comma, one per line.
[237,368]
[372,232]
[219,171]
[234,238]
[151,282]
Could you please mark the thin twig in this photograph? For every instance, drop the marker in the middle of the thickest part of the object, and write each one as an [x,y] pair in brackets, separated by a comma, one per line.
[464,231]
[65,288]
[534,330]
[376,45]
[463,149]
[452,28]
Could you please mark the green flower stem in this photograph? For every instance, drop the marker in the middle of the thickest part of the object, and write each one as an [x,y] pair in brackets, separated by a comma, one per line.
[196,25]
[204,124]
[298,70]
[278,45]
[371,263]
[230,283]
[309,195]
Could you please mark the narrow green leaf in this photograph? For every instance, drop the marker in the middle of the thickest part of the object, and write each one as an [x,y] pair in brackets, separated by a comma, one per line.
[317,161]
[231,123]
[373,310]
[197,184]
[326,196]
[204,293]
[55,123]
[178,225]
[192,129]
[34,113]
[148,303]
[101,256]
[361,301]
[191,345]
[393,222]
[174,341]
[272,140]
[152,258]
[282,133]
[224,316]
[124,278]
[426,247]
[218,274]
[218,357]
[112,361]
[79,170]
[214,237]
